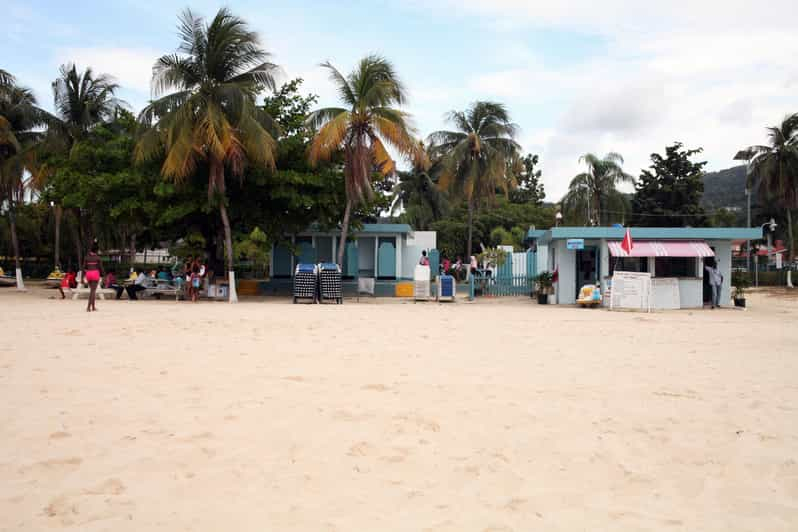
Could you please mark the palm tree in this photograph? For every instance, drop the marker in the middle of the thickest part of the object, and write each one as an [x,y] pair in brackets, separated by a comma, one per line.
[19,118]
[596,189]
[773,169]
[362,129]
[475,158]
[418,194]
[82,101]
[211,117]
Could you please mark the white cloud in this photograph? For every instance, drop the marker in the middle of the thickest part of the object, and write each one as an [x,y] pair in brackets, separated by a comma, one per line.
[709,74]
[132,67]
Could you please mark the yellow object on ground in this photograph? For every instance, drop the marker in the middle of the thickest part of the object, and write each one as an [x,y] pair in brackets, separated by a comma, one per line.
[404,289]
[589,295]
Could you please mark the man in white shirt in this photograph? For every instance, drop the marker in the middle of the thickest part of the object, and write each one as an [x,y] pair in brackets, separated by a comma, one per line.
[138,285]
[715,281]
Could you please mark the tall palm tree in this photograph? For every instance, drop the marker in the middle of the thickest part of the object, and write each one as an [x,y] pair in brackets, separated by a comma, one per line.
[19,118]
[418,194]
[83,100]
[211,117]
[773,170]
[362,129]
[475,157]
[596,188]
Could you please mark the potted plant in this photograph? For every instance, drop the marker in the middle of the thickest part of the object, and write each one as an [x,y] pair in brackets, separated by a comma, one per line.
[741,282]
[544,282]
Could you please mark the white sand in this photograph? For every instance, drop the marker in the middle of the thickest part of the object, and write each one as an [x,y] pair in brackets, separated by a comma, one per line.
[488,416]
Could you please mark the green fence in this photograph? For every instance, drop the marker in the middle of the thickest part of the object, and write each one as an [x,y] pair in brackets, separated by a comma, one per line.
[487,285]
[515,277]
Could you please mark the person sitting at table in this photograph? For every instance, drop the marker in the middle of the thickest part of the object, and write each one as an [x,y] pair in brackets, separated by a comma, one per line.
[163,275]
[67,281]
[110,282]
[139,285]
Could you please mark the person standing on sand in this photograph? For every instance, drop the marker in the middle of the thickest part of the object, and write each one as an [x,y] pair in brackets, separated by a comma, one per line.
[93,267]
[715,281]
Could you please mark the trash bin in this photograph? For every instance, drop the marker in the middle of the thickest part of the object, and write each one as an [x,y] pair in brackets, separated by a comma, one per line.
[446,288]
[330,283]
[305,277]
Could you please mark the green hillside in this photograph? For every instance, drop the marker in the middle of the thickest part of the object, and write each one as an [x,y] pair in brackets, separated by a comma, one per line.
[725,188]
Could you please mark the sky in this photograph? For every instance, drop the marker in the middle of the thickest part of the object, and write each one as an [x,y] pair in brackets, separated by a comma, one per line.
[577,76]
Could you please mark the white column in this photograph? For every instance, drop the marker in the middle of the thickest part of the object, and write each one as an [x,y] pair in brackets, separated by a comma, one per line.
[376,256]
[399,246]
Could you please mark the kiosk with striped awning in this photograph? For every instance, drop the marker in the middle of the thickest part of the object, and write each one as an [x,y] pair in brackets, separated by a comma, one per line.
[675,257]
[657,248]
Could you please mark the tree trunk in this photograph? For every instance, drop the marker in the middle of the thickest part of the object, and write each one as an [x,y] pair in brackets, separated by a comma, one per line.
[344,233]
[228,251]
[78,244]
[12,220]
[470,229]
[790,241]
[132,251]
[58,212]
[597,201]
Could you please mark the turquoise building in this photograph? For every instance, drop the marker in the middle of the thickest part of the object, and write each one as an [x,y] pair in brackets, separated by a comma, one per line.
[387,252]
[590,255]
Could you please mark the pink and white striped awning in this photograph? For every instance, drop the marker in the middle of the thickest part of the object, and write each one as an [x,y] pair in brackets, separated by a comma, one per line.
[657,248]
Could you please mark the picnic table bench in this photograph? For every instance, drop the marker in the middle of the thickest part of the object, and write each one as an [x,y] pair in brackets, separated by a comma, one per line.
[84,290]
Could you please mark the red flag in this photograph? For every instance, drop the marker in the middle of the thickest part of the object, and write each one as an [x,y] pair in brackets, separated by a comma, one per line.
[627,243]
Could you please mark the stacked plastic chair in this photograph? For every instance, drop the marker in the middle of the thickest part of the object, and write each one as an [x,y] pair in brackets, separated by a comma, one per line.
[330,283]
[305,281]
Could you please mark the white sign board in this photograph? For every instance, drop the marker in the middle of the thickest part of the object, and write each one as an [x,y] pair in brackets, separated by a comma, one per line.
[631,290]
[665,292]
[778,261]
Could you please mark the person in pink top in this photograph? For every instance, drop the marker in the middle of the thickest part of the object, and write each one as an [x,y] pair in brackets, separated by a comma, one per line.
[424,260]
[92,265]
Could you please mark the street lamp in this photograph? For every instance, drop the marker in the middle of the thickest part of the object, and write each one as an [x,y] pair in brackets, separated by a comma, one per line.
[746,155]
[772,227]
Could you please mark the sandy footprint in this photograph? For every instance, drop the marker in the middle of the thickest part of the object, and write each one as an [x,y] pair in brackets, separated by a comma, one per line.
[56,465]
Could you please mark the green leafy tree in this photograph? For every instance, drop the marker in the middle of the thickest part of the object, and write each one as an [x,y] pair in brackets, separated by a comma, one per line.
[362,129]
[255,248]
[212,117]
[283,202]
[475,157]
[773,170]
[595,192]
[723,218]
[418,195]
[669,192]
[19,118]
[530,188]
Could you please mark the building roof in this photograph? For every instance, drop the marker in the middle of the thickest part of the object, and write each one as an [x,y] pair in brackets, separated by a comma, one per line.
[386,228]
[534,234]
[372,229]
[654,233]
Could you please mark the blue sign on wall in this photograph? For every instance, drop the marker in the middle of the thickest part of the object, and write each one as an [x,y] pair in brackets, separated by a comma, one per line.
[575,243]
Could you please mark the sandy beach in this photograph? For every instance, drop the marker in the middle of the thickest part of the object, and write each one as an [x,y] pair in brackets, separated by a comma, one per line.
[496,415]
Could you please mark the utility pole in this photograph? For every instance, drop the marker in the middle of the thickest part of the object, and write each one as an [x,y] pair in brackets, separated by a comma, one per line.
[748,245]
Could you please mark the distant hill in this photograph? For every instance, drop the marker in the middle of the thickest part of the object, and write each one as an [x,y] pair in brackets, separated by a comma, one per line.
[725,188]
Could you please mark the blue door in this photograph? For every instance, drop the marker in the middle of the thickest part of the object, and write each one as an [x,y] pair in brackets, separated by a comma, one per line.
[282,261]
[350,260]
[386,258]
[304,250]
